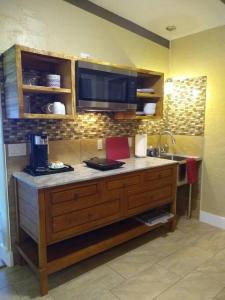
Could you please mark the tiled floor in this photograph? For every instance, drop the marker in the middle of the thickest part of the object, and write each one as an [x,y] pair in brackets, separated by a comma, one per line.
[188,264]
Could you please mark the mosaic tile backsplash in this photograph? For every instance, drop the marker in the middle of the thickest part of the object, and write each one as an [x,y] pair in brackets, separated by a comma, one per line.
[185,106]
[184,112]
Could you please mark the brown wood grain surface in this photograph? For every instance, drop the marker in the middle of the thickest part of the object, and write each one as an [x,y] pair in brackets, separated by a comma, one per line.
[76,221]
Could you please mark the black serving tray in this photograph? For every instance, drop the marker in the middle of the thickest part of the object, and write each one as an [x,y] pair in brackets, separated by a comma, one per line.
[48,171]
[103,164]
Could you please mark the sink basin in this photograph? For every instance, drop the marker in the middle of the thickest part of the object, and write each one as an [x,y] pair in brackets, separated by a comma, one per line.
[173,157]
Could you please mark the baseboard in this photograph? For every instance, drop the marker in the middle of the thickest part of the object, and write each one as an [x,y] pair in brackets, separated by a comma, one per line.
[6,256]
[212,219]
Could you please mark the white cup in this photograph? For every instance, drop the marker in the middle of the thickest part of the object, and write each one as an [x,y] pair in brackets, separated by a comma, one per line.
[53,80]
[57,108]
[149,108]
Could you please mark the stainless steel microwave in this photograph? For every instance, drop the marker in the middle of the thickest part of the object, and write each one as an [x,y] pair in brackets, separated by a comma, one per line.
[105,88]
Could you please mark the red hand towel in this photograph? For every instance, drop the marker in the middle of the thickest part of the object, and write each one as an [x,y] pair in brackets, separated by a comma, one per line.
[192,175]
[117,148]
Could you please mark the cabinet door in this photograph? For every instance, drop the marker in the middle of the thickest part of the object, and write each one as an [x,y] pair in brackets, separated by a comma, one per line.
[142,201]
[124,181]
[76,209]
[158,187]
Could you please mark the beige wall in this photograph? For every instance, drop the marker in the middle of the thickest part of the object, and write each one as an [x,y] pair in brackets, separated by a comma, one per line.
[204,54]
[56,25]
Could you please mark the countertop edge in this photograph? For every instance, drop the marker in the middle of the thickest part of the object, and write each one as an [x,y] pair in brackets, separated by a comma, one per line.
[40,181]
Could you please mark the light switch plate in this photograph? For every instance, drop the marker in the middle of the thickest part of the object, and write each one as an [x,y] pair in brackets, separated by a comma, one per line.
[17,149]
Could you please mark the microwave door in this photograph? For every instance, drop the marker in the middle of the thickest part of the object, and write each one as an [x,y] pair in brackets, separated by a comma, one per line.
[104,90]
[87,86]
[117,89]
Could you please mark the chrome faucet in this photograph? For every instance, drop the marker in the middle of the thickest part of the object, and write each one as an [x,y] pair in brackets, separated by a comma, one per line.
[160,136]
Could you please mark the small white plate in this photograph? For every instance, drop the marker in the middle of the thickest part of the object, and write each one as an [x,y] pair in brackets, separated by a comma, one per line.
[56,168]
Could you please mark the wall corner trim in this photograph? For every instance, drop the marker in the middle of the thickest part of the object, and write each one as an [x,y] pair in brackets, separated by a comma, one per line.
[120,21]
[212,219]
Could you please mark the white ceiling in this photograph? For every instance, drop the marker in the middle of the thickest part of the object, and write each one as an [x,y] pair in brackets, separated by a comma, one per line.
[189,16]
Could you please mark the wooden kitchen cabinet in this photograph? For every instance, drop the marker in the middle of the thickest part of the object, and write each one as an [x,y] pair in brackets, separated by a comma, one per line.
[62,225]
[156,187]
[147,79]
[26,100]
[79,208]
[154,80]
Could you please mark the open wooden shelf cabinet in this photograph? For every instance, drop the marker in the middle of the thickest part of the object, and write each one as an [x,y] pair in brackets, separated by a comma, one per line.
[26,101]
[147,79]
[18,59]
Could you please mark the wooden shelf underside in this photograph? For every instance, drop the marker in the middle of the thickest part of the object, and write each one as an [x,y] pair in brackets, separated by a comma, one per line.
[148,95]
[146,117]
[46,116]
[134,116]
[65,253]
[44,89]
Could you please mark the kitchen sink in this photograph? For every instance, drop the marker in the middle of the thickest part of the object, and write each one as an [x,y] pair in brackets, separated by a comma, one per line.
[173,157]
[181,176]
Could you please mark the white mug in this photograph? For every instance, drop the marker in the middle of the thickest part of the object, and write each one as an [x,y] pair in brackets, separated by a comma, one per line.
[57,108]
[149,108]
[53,80]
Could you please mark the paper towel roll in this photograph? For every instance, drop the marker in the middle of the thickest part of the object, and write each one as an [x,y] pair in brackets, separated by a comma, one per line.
[141,145]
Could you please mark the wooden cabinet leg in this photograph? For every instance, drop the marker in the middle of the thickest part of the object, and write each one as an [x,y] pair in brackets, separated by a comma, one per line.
[42,245]
[43,282]
[172,225]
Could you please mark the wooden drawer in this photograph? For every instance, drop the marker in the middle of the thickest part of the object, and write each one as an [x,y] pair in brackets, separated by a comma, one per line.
[84,202]
[158,174]
[76,204]
[73,193]
[88,218]
[123,181]
[66,218]
[145,200]
[148,186]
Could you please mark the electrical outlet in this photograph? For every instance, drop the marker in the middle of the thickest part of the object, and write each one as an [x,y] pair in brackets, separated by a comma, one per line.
[17,150]
[99,144]
[130,141]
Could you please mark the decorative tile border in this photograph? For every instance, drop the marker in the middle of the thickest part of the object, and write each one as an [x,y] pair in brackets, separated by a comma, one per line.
[85,126]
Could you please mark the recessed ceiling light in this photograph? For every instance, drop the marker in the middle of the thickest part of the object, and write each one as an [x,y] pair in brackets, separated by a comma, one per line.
[171,28]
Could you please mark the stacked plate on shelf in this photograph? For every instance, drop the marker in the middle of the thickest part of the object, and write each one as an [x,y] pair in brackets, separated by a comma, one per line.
[146,90]
[31,77]
[35,77]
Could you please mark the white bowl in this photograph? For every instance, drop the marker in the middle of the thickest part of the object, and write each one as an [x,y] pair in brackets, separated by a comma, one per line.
[149,108]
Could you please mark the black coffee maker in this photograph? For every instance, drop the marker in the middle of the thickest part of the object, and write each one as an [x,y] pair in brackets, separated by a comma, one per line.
[38,154]
[39,157]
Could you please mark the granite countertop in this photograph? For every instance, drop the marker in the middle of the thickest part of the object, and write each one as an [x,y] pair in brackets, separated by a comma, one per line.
[83,173]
